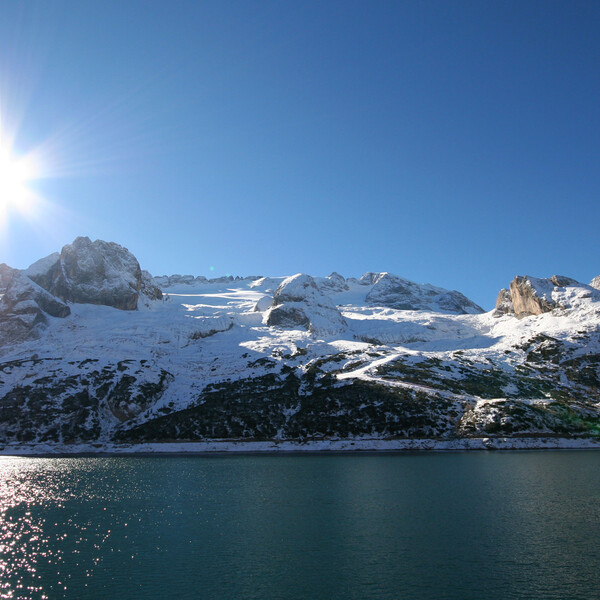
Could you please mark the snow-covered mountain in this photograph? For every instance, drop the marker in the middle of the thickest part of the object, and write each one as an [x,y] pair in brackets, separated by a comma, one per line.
[93,349]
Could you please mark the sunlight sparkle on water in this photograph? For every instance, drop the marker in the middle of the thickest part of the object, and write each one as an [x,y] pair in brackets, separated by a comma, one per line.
[35,535]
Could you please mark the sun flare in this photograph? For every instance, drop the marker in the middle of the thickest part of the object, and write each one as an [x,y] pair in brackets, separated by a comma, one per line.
[15,173]
[24,167]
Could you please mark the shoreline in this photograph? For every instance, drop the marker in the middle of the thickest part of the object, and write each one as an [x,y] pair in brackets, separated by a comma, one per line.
[237,447]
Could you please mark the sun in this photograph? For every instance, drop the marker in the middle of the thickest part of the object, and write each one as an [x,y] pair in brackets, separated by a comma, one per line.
[24,167]
[15,173]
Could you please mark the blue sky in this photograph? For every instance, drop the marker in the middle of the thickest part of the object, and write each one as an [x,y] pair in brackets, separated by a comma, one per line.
[455,143]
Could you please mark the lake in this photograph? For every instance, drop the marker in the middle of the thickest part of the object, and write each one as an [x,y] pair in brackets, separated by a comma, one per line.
[391,526]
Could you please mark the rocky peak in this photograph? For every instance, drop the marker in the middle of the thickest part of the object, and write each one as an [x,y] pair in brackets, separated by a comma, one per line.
[369,278]
[297,288]
[534,296]
[89,272]
[402,294]
[595,283]
[24,307]
[165,281]
[504,305]
[333,283]
[177,280]
[299,303]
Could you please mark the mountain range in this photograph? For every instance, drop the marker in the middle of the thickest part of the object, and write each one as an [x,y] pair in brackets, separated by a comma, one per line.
[96,354]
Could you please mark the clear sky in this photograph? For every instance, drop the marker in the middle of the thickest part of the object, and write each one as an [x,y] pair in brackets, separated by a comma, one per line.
[454,143]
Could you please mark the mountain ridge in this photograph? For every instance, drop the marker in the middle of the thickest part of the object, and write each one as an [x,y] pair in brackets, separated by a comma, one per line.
[297,358]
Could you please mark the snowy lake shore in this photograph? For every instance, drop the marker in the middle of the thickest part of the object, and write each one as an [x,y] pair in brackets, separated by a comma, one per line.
[292,446]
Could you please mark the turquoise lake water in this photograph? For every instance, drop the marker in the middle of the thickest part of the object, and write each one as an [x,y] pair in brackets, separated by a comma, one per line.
[435,526]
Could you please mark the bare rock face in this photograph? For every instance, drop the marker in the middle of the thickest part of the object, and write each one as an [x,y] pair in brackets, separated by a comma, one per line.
[333,283]
[288,316]
[298,303]
[402,294]
[529,297]
[369,278]
[6,275]
[504,305]
[22,289]
[42,271]
[24,307]
[149,288]
[453,301]
[534,296]
[166,281]
[98,273]
[89,272]
[396,292]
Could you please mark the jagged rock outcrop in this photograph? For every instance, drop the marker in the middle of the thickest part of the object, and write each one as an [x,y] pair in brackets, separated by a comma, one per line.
[504,305]
[24,307]
[334,283]
[149,288]
[6,274]
[595,283]
[530,296]
[299,304]
[165,281]
[369,278]
[173,280]
[402,294]
[224,279]
[89,272]
[43,270]
[22,289]
[185,279]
